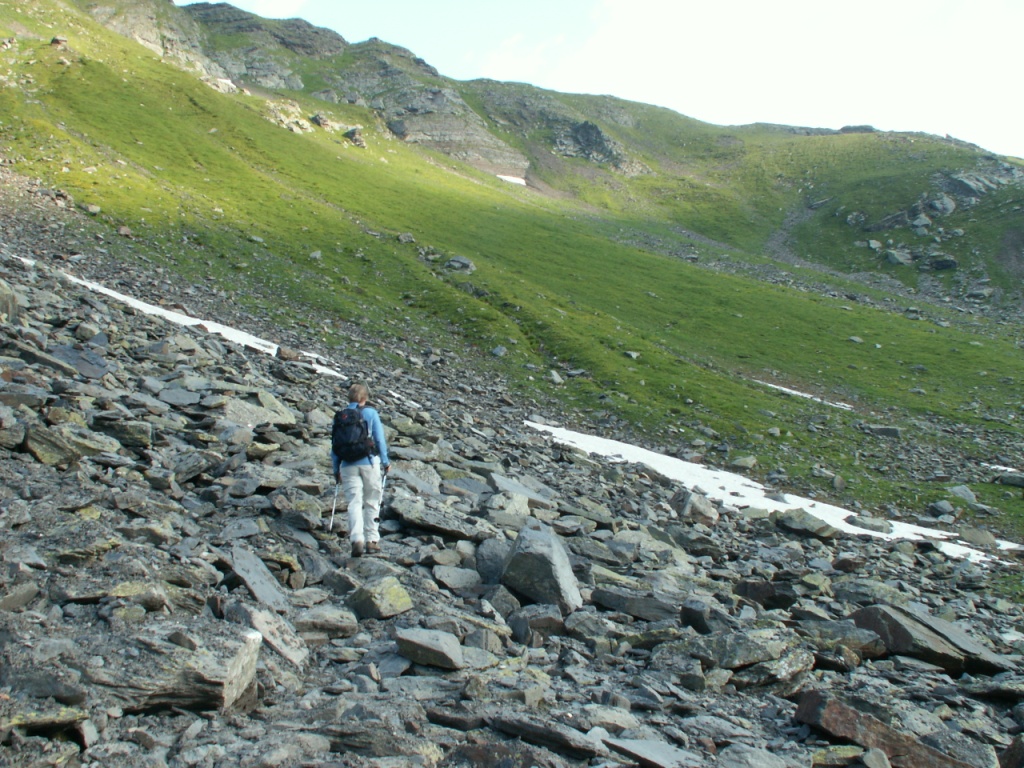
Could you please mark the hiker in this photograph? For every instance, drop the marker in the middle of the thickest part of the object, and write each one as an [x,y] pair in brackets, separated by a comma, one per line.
[358,470]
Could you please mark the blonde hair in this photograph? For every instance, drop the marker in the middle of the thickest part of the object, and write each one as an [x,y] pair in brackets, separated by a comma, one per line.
[358,393]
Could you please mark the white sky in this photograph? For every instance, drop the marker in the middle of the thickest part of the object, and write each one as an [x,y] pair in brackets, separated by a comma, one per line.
[937,66]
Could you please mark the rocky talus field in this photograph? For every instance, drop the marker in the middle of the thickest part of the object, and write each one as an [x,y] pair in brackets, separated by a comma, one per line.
[170,594]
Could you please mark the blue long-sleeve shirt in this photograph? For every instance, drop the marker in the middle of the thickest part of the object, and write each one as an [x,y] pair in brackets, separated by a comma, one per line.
[373,422]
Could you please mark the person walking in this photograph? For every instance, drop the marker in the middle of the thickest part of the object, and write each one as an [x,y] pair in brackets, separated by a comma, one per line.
[359,470]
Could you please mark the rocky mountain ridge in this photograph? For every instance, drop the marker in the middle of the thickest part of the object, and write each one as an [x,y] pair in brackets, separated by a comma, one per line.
[171,597]
[555,142]
[385,77]
[416,103]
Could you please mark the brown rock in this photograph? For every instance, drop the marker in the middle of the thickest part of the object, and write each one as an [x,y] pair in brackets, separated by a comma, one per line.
[841,720]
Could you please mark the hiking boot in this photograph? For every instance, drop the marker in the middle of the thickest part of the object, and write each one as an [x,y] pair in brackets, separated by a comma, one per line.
[358,548]
[372,548]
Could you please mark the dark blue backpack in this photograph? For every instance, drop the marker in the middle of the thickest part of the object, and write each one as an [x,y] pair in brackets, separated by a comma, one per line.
[350,435]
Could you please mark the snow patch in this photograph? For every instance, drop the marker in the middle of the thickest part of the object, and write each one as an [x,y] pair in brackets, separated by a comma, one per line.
[741,492]
[209,326]
[842,406]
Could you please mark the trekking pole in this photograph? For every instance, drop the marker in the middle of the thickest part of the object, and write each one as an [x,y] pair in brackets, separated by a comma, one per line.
[383,485]
[330,525]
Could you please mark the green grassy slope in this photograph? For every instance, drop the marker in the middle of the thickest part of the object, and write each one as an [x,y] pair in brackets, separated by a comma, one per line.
[211,187]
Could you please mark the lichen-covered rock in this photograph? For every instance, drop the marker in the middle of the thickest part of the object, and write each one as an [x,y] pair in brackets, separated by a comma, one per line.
[380,599]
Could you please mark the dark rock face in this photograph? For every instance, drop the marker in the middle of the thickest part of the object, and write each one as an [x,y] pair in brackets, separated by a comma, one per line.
[588,141]
[259,61]
[171,594]
[296,35]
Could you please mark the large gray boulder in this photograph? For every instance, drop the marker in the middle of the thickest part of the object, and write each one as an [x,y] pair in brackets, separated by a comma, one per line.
[538,568]
[430,647]
[914,633]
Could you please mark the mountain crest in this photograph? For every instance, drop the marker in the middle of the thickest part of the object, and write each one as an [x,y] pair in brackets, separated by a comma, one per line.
[296,35]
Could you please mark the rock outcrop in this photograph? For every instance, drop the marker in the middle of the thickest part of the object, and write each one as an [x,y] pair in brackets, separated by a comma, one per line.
[166,30]
[257,60]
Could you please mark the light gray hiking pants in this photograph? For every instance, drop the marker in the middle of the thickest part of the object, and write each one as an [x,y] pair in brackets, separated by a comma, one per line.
[361,484]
